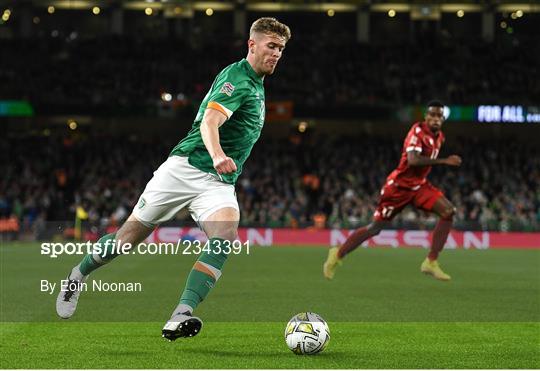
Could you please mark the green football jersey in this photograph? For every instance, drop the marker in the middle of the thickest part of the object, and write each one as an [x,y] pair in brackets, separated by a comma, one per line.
[238,92]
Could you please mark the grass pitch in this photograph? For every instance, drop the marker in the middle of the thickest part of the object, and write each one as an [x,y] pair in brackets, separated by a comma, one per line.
[382,312]
[260,345]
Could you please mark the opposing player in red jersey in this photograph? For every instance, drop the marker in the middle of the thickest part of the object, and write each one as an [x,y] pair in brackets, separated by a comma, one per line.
[407,184]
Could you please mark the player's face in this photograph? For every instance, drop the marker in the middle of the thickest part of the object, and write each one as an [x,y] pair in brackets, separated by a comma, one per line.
[268,50]
[435,118]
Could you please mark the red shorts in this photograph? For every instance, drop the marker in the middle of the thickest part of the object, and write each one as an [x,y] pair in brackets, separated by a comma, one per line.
[394,199]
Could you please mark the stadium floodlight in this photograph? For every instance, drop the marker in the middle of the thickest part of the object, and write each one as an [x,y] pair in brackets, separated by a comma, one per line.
[72,124]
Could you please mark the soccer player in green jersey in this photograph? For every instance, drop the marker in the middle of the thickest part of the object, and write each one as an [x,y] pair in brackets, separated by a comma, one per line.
[200,174]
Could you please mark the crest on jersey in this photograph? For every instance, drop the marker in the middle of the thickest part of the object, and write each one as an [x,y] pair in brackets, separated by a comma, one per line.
[227,89]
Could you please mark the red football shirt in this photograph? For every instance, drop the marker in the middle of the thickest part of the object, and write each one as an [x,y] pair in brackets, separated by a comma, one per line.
[422,140]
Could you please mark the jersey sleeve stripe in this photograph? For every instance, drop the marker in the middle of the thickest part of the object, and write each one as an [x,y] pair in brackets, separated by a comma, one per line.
[220,108]
[413,148]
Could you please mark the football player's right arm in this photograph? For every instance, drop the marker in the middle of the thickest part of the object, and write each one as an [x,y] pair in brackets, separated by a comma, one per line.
[415,159]
[413,147]
[210,124]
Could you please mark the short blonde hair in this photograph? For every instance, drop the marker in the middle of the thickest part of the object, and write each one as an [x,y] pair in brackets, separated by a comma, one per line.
[269,25]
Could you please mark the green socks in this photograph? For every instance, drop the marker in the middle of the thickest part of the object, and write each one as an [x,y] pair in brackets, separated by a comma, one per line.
[91,262]
[204,274]
[202,278]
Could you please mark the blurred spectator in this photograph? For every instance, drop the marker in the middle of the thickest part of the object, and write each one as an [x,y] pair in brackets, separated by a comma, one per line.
[326,181]
[9,228]
[127,74]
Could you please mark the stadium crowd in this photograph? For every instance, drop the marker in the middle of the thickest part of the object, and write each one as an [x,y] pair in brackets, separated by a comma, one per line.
[131,72]
[294,182]
[309,181]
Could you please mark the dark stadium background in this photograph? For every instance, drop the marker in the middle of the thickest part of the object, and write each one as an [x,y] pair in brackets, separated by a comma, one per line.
[95,94]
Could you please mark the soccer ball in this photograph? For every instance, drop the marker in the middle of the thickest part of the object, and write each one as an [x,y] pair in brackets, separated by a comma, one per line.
[307,333]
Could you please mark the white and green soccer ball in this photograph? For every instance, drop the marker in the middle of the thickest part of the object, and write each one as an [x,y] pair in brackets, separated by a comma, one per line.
[307,333]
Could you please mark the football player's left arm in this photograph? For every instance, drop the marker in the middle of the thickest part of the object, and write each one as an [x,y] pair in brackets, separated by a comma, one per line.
[210,124]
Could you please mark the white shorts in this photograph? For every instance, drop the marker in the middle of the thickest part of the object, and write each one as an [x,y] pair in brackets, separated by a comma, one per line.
[175,185]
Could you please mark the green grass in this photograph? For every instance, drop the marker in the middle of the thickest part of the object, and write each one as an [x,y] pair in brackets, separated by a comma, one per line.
[383,313]
[260,345]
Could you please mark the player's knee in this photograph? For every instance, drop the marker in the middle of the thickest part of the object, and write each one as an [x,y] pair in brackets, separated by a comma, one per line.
[448,212]
[225,231]
[222,224]
[133,232]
